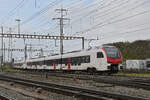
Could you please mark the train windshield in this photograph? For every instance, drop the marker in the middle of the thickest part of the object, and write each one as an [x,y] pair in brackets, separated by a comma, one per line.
[112,52]
[148,64]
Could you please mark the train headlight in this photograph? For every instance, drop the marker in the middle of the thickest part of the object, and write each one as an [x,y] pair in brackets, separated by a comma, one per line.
[108,64]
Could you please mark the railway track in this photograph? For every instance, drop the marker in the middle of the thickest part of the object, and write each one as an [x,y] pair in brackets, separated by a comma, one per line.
[133,83]
[5,97]
[78,92]
[143,83]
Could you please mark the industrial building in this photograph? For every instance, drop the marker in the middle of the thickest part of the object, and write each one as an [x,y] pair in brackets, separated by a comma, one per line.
[137,64]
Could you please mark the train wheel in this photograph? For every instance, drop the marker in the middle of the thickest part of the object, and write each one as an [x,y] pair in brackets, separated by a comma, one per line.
[94,70]
[88,70]
[91,70]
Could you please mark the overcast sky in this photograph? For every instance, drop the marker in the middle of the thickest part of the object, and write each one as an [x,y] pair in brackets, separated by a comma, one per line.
[109,20]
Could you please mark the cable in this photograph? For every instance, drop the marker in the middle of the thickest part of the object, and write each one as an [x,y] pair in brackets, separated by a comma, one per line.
[10,13]
[85,8]
[133,26]
[129,32]
[99,8]
[51,4]
[108,23]
[54,15]
[128,10]
[119,14]
[74,4]
[41,11]
[95,10]
[109,10]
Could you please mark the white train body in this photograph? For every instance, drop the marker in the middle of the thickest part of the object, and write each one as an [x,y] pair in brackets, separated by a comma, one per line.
[95,60]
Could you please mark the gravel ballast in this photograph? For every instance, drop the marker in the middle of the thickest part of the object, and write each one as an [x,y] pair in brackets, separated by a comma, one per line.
[88,84]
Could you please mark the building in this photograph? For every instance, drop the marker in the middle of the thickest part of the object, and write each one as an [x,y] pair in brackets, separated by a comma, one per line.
[136,64]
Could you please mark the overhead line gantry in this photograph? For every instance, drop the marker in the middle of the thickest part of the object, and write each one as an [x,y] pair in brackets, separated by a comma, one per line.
[30,36]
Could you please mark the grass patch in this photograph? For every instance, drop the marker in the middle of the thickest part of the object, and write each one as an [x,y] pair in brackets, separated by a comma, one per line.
[133,74]
[7,68]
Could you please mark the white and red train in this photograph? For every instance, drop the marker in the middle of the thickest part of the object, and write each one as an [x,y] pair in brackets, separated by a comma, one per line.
[104,59]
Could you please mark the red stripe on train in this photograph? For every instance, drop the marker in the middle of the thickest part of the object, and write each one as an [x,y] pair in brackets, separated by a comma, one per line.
[54,65]
[69,66]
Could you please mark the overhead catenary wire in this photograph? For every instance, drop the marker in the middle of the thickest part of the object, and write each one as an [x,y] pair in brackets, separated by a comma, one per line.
[114,17]
[94,11]
[12,12]
[121,14]
[98,7]
[37,14]
[109,11]
[124,12]
[53,14]
[127,32]
[41,11]
[103,15]
[47,21]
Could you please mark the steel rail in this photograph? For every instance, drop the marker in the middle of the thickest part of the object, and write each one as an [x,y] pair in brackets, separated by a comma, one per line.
[144,84]
[5,97]
[79,92]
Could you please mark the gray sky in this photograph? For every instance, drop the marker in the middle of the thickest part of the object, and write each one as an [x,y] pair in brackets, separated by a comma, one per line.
[109,20]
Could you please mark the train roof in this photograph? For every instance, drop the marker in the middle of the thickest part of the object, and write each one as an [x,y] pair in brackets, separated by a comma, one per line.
[68,54]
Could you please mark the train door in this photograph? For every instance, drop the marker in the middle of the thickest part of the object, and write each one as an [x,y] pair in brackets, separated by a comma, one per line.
[100,61]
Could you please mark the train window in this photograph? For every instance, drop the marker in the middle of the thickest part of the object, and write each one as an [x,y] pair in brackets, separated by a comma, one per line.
[34,63]
[49,63]
[58,61]
[28,63]
[79,59]
[19,64]
[83,59]
[87,59]
[73,61]
[64,61]
[100,55]
[148,64]
[41,63]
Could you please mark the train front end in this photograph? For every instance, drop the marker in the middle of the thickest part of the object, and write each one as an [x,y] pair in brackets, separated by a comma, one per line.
[114,58]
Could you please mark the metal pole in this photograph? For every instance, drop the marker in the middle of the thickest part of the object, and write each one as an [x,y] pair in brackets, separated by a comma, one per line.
[19,27]
[82,43]
[18,20]
[4,53]
[25,53]
[30,56]
[61,33]
[61,19]
[9,46]
[2,50]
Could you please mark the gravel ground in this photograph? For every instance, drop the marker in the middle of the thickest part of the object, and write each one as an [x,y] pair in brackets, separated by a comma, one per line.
[14,95]
[20,92]
[89,84]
